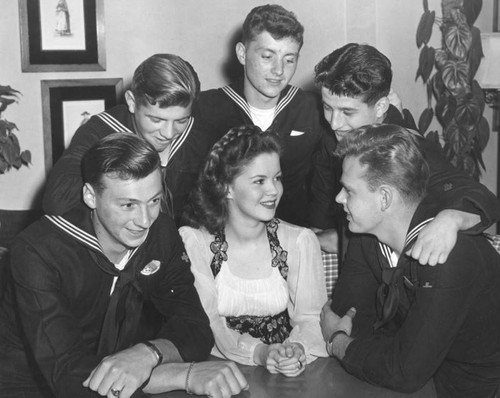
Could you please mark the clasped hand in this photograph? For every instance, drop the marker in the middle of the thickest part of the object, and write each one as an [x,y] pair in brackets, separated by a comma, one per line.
[286,358]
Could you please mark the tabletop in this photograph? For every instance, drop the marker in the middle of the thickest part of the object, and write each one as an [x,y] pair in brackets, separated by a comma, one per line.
[324,378]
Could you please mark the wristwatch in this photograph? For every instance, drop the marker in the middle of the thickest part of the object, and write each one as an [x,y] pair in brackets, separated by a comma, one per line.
[329,343]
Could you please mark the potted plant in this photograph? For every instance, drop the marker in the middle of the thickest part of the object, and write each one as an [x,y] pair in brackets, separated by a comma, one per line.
[10,151]
[448,73]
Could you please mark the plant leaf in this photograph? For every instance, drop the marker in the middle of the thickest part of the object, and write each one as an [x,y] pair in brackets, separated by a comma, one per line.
[438,86]
[3,166]
[440,57]
[17,162]
[445,109]
[26,157]
[433,136]
[471,10]
[9,152]
[425,120]
[430,83]
[455,76]
[475,52]
[8,91]
[424,29]
[457,40]
[468,111]
[483,134]
[478,93]
[5,102]
[426,62]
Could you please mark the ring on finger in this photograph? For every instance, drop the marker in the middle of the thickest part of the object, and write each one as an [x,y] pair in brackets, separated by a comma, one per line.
[115,392]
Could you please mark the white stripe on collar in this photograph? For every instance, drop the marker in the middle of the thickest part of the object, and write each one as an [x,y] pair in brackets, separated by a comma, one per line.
[389,253]
[113,123]
[243,104]
[180,140]
[76,232]
[416,230]
[286,99]
[238,99]
[80,235]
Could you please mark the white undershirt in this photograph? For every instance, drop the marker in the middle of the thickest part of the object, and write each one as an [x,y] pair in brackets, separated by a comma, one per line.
[262,117]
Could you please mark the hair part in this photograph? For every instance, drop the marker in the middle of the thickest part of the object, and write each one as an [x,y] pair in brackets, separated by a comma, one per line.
[393,157]
[208,206]
[355,71]
[272,18]
[166,80]
[119,155]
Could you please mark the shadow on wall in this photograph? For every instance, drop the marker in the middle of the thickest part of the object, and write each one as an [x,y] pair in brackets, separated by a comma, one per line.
[232,69]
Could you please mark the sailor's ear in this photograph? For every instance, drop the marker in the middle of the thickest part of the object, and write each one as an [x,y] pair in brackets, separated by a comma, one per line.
[386,197]
[130,100]
[241,52]
[89,196]
[381,108]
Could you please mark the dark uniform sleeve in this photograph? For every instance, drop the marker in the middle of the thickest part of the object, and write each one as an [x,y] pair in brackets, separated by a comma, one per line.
[325,176]
[406,359]
[323,212]
[185,323]
[357,285]
[52,331]
[63,189]
[456,190]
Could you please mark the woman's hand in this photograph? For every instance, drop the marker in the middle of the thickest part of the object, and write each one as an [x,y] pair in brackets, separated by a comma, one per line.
[292,360]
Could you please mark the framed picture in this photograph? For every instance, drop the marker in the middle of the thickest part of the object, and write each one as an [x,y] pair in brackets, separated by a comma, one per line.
[62,35]
[67,104]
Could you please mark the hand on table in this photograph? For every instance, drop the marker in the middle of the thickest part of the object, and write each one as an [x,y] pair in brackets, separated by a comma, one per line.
[124,371]
[216,379]
[292,361]
[287,358]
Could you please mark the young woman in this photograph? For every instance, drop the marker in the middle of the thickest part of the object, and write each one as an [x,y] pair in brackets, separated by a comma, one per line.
[260,280]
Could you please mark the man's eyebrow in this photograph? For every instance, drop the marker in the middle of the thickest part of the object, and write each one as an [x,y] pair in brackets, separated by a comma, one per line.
[160,118]
[135,200]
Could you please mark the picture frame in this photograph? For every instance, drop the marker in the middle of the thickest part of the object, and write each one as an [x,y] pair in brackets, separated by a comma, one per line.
[69,103]
[62,35]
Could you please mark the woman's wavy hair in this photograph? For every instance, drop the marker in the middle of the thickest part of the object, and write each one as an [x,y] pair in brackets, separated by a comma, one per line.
[208,204]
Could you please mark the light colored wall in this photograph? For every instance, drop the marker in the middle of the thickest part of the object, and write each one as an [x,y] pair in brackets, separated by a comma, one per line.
[202,33]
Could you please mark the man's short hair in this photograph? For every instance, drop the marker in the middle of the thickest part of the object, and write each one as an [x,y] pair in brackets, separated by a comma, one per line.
[393,157]
[166,80]
[272,18]
[119,155]
[355,71]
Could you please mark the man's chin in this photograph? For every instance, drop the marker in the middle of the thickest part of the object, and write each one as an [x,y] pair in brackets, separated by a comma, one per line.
[353,228]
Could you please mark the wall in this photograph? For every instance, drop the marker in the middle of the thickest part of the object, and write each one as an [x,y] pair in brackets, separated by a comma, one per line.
[203,33]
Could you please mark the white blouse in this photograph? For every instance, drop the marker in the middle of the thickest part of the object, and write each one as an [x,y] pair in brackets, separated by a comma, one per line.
[304,291]
[238,296]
